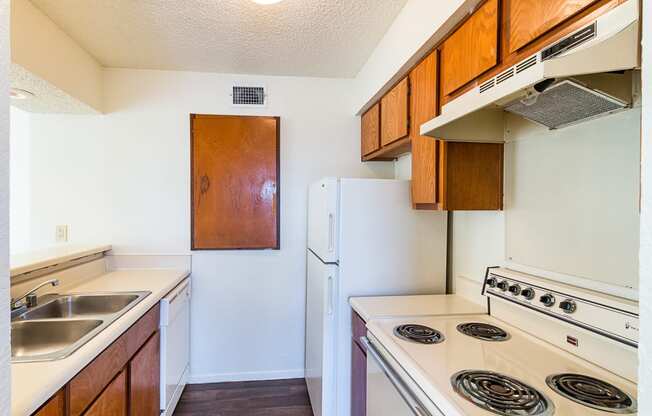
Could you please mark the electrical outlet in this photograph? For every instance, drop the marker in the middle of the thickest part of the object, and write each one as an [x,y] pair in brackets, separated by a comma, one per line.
[61,234]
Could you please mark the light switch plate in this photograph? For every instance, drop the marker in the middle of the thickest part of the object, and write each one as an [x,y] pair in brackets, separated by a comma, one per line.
[61,234]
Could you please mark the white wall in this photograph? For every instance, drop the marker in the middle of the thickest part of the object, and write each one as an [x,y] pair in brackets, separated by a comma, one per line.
[5,345]
[645,340]
[20,188]
[124,178]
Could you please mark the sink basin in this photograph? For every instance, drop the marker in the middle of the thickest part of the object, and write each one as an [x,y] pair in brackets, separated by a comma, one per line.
[45,338]
[63,323]
[75,306]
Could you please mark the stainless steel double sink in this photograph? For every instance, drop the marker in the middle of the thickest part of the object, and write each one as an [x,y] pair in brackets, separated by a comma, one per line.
[61,324]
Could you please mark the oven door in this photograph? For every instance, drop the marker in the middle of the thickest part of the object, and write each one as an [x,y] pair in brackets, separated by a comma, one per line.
[390,391]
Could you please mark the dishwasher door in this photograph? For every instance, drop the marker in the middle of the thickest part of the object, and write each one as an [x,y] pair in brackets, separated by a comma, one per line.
[390,391]
[175,345]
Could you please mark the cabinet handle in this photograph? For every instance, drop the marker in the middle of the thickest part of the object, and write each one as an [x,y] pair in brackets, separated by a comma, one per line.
[331,233]
[330,295]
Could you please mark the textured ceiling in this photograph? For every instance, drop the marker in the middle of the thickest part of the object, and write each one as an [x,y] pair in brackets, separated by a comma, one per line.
[330,38]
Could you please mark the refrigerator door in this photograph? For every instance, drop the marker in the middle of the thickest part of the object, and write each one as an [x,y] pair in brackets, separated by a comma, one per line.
[321,295]
[323,219]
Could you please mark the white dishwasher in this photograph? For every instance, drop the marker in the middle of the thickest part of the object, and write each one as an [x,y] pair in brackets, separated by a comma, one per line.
[175,345]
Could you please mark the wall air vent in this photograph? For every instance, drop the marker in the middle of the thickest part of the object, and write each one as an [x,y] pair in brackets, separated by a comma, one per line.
[487,85]
[248,96]
[528,63]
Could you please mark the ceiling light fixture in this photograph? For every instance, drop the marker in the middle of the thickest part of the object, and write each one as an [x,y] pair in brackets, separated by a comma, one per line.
[267,1]
[20,94]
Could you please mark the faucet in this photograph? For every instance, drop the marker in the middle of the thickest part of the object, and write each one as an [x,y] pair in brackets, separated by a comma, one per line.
[30,296]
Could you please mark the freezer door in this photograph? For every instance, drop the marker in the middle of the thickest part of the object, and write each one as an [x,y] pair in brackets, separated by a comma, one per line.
[321,295]
[323,219]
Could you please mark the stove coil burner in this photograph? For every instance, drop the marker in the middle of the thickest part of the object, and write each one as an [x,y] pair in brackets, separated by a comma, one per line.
[500,394]
[592,392]
[483,331]
[419,334]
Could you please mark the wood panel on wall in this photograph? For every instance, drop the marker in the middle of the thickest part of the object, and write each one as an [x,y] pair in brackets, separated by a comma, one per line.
[235,182]
[394,112]
[529,19]
[371,130]
[472,49]
[423,107]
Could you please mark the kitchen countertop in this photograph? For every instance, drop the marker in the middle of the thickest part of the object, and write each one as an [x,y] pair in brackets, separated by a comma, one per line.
[395,306]
[32,384]
[22,263]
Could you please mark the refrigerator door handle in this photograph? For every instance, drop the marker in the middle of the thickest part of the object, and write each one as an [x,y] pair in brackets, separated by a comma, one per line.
[331,232]
[329,309]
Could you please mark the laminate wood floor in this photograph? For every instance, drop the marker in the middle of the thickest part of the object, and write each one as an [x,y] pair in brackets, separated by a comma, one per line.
[249,398]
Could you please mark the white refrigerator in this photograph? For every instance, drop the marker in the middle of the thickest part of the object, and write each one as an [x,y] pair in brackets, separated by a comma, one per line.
[364,239]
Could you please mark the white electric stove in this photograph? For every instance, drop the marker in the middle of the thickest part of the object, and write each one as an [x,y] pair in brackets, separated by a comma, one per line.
[545,349]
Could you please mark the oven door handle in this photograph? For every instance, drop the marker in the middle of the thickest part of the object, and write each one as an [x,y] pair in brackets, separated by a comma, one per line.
[414,403]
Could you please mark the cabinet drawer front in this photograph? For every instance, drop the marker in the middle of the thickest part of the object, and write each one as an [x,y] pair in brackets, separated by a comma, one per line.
[394,110]
[113,400]
[371,130]
[471,50]
[56,406]
[529,19]
[86,385]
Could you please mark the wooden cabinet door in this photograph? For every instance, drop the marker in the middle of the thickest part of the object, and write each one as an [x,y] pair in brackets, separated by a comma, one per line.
[358,380]
[113,400]
[56,406]
[529,19]
[472,49]
[235,182]
[423,107]
[394,110]
[371,130]
[144,379]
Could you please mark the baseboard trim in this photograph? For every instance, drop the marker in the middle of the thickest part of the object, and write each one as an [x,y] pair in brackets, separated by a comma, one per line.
[246,376]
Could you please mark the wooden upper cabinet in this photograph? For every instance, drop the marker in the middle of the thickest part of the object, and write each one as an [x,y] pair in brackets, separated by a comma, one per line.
[371,130]
[235,182]
[423,107]
[529,19]
[472,49]
[394,112]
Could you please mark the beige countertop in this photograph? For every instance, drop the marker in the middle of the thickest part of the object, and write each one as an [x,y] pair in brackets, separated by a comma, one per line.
[395,306]
[32,384]
[38,259]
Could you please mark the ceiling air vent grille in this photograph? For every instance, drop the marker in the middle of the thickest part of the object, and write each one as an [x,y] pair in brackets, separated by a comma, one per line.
[528,63]
[487,85]
[248,96]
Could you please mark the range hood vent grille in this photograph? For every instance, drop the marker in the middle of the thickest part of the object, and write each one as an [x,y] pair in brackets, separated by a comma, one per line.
[487,85]
[564,104]
[523,65]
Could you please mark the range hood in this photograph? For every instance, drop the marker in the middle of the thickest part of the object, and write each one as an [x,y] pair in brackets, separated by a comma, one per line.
[582,76]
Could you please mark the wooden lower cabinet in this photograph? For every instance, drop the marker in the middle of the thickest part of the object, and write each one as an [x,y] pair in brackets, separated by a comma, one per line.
[144,370]
[56,406]
[113,400]
[466,176]
[122,380]
[358,368]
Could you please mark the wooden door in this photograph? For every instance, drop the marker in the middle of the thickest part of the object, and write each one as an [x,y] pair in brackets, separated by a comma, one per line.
[235,182]
[144,379]
[371,130]
[529,19]
[423,107]
[113,400]
[394,110]
[56,406]
[471,50]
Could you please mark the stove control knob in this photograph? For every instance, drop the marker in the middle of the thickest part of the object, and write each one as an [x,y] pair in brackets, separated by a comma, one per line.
[528,293]
[568,306]
[547,299]
[503,285]
[515,290]
[491,282]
